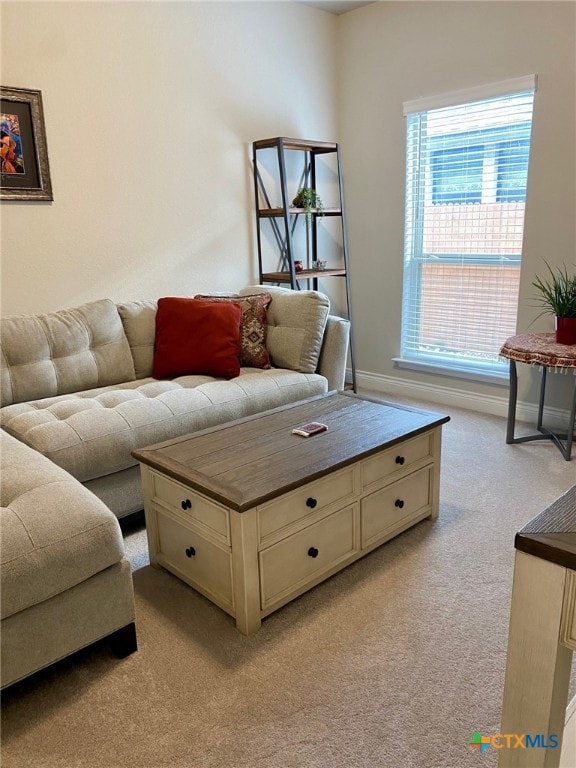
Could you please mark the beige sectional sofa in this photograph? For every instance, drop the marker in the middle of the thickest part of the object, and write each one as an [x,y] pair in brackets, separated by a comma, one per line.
[77,398]
[65,580]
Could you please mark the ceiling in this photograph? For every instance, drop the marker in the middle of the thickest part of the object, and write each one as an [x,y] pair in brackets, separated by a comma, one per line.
[337,6]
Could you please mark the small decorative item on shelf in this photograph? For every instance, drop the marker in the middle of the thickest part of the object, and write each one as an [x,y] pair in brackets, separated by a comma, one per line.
[319,265]
[558,298]
[310,200]
[298,266]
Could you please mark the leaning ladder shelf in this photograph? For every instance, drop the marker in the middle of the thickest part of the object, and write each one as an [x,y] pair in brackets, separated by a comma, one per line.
[283,219]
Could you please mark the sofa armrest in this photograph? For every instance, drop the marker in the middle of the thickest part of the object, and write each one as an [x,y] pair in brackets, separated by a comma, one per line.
[334,352]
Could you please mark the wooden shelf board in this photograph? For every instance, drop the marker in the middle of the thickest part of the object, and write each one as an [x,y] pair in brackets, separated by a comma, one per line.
[306,274]
[303,145]
[269,213]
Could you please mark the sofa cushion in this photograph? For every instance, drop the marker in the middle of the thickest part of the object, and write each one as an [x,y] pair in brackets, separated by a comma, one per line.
[296,322]
[92,433]
[54,533]
[196,337]
[253,352]
[139,321]
[65,351]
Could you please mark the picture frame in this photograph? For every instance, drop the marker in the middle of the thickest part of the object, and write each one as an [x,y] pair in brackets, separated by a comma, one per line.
[24,168]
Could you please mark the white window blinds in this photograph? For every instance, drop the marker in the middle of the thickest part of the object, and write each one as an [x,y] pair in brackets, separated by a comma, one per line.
[466,178]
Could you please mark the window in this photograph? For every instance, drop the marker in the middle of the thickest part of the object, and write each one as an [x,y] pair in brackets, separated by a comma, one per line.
[512,170]
[457,174]
[462,169]
[466,179]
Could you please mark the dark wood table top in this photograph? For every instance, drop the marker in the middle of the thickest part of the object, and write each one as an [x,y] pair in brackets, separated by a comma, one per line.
[257,458]
[551,535]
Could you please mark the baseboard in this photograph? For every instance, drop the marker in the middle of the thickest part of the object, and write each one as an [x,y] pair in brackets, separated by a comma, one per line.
[436,393]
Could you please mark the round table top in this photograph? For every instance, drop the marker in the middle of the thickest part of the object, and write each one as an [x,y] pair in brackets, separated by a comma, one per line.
[539,349]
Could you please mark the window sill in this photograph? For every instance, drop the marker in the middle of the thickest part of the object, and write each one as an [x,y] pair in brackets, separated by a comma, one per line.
[453,373]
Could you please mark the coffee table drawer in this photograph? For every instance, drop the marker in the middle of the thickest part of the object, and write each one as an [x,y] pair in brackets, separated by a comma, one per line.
[303,557]
[393,461]
[202,563]
[195,507]
[297,506]
[384,511]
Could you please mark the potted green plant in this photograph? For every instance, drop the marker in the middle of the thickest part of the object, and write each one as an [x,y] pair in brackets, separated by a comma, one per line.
[557,296]
[310,200]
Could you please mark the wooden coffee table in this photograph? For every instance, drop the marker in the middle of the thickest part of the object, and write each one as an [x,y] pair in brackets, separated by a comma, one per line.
[252,516]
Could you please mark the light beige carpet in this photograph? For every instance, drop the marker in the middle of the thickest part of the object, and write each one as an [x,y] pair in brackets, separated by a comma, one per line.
[392,663]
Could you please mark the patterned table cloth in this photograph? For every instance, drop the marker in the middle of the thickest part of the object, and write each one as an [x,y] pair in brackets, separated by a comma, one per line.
[539,349]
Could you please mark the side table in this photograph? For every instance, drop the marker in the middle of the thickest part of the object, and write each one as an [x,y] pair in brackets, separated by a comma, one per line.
[540,349]
[541,640]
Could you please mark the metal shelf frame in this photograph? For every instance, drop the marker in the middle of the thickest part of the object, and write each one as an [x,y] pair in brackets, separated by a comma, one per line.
[284,219]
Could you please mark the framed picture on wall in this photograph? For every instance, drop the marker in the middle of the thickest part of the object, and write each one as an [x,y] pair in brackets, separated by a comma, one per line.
[24,172]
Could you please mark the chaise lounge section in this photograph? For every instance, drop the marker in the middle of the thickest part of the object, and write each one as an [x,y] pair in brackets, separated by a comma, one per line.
[65,580]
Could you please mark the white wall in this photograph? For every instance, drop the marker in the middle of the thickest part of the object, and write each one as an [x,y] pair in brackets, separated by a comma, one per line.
[392,52]
[150,110]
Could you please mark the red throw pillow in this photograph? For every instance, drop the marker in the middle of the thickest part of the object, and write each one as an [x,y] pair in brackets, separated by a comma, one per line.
[254,352]
[196,337]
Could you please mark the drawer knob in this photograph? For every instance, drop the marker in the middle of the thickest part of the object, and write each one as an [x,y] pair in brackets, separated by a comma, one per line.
[400,460]
[186,504]
[311,502]
[399,503]
[313,552]
[190,552]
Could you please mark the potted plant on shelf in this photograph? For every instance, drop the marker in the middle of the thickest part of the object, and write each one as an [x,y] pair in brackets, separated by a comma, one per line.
[557,296]
[310,200]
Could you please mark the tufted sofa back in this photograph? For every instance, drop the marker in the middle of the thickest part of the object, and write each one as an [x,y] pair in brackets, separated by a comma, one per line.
[102,343]
[61,352]
[296,325]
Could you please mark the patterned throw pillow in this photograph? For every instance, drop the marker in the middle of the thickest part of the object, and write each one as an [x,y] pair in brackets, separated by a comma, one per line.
[254,352]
